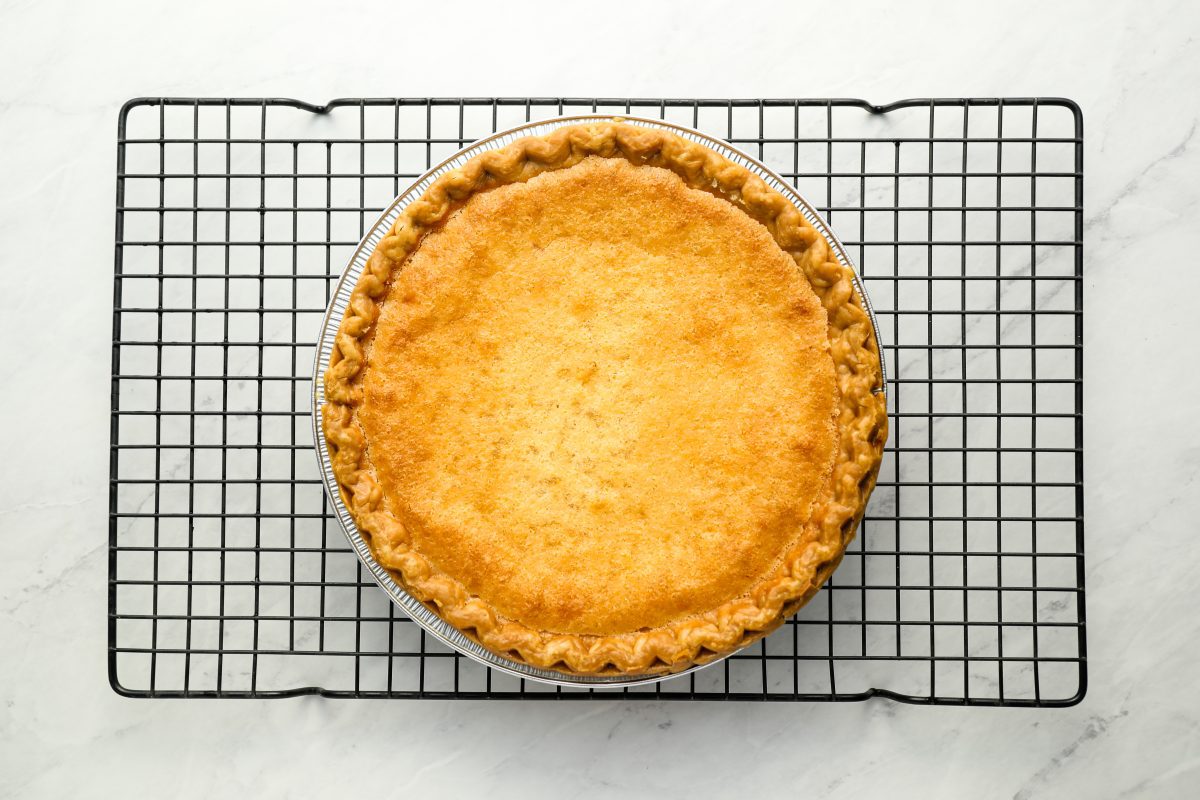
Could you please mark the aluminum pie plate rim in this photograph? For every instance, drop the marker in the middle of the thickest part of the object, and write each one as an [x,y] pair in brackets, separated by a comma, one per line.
[433,624]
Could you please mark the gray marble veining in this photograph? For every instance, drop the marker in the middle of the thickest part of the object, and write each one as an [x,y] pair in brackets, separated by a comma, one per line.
[1133,70]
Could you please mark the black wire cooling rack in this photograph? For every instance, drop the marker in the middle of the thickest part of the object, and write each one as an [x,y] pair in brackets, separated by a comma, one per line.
[229,575]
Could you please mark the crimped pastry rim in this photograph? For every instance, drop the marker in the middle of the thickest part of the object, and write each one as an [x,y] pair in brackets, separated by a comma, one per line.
[335,318]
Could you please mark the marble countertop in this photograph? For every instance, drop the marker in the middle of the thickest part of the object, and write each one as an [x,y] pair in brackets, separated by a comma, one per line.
[1134,70]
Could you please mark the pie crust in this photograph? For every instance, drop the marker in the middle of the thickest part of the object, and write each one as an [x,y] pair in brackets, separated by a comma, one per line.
[584,405]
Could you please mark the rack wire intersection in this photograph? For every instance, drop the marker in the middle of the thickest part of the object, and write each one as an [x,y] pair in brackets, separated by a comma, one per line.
[229,575]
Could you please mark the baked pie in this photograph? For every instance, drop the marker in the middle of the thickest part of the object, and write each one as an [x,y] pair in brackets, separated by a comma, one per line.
[605,402]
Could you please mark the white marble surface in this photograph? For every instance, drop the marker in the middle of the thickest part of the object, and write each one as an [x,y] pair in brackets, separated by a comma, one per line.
[1134,68]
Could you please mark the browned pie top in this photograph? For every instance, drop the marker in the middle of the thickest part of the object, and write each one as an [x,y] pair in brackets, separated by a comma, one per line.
[601,399]
[604,400]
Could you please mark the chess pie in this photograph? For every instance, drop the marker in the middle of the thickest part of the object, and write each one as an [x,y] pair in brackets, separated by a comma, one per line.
[605,402]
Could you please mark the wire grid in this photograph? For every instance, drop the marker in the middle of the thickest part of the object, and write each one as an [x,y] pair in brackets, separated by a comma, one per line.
[230,577]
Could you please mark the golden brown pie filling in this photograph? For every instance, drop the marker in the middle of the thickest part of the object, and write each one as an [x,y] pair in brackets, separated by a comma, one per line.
[604,400]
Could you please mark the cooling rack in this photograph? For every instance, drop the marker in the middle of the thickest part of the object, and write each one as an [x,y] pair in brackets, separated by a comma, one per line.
[229,575]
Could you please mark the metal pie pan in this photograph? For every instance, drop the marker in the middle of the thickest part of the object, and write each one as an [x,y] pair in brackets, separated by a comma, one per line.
[414,608]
